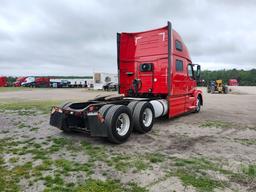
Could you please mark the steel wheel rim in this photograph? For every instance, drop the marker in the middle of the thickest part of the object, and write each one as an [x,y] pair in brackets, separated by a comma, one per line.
[197,104]
[147,117]
[123,124]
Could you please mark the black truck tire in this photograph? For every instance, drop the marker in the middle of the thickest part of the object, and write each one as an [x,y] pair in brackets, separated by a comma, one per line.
[198,105]
[143,116]
[132,105]
[225,88]
[119,123]
[104,109]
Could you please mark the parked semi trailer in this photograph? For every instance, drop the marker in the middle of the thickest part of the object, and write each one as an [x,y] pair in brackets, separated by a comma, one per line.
[36,82]
[233,82]
[19,81]
[156,78]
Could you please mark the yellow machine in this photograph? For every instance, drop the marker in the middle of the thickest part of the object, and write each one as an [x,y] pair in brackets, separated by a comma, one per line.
[217,87]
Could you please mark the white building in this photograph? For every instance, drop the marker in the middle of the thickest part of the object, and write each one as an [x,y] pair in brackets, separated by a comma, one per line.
[100,79]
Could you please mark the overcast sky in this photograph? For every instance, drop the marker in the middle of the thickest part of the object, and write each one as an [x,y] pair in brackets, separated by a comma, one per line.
[78,37]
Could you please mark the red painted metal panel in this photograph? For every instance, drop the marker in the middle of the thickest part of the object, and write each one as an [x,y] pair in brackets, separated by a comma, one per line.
[139,48]
[3,81]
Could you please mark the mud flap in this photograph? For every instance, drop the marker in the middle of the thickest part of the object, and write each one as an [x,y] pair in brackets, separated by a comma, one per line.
[96,127]
[58,120]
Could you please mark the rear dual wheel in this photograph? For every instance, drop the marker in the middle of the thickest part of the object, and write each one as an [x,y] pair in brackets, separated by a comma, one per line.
[119,123]
[143,115]
[121,119]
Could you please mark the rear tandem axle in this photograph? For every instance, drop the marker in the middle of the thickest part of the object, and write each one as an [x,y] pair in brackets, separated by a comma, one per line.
[109,117]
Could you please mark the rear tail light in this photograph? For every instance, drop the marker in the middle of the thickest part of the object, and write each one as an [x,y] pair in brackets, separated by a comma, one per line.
[53,110]
[56,109]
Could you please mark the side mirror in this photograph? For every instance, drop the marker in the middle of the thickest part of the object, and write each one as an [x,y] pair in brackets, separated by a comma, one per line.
[198,72]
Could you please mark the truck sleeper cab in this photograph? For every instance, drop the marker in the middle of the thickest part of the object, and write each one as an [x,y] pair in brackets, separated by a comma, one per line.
[156,78]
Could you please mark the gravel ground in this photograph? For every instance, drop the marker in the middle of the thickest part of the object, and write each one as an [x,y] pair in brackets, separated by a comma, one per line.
[213,150]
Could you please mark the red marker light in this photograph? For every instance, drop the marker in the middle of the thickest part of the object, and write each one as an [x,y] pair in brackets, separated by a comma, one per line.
[91,108]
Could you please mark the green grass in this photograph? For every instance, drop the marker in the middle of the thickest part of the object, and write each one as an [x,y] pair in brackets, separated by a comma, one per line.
[249,170]
[8,89]
[96,153]
[7,180]
[22,125]
[25,106]
[100,186]
[200,182]
[120,162]
[107,186]
[133,187]
[246,177]
[140,165]
[246,142]
[193,172]
[216,123]
[52,181]
[198,164]
[44,166]
[69,166]
[124,163]
[34,129]
[14,159]
[61,167]
[155,157]
[22,170]
[136,163]
[26,113]
[59,143]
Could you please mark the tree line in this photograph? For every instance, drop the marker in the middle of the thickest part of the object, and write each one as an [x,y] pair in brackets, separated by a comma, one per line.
[244,78]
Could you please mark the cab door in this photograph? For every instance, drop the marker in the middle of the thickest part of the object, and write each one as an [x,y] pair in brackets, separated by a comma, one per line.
[179,88]
[191,85]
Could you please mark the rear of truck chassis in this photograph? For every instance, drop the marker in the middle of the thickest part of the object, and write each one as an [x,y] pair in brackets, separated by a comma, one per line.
[156,78]
[111,117]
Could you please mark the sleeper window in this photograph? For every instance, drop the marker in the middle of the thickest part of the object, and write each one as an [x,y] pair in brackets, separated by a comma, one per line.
[178,45]
[179,65]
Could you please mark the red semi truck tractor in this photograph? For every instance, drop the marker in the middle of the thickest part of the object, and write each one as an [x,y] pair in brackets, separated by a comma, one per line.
[3,81]
[156,78]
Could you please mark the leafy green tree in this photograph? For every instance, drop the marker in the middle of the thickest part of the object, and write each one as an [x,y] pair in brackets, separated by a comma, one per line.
[245,78]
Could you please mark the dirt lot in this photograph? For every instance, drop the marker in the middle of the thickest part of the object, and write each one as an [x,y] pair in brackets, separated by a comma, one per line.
[213,150]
